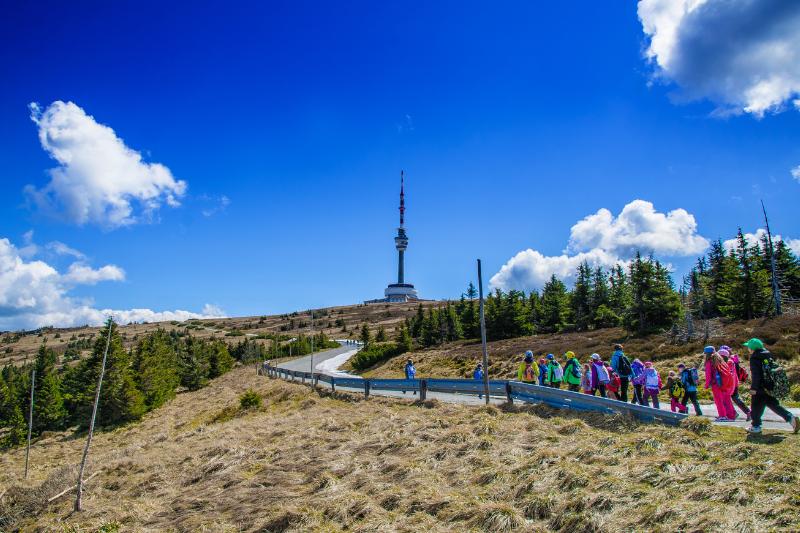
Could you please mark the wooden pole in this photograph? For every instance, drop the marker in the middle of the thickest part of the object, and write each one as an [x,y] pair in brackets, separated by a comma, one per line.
[776,291]
[30,420]
[79,485]
[483,336]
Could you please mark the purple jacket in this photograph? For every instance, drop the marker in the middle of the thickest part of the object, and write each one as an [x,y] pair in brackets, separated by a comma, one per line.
[595,380]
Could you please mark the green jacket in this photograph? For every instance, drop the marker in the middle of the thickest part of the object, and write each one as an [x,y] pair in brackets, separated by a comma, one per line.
[570,376]
[551,377]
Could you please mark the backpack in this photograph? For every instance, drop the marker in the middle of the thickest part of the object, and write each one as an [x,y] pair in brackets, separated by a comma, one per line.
[602,374]
[637,371]
[624,366]
[558,372]
[651,378]
[576,368]
[776,382]
[676,390]
[528,374]
[691,377]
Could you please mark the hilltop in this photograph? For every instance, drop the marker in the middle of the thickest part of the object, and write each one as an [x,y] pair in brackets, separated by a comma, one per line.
[336,322]
[311,461]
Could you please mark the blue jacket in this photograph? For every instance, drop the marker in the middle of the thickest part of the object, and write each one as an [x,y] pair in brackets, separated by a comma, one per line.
[410,371]
[615,364]
[685,380]
[478,374]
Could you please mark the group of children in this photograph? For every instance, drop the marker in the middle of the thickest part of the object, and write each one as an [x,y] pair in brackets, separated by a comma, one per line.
[723,372]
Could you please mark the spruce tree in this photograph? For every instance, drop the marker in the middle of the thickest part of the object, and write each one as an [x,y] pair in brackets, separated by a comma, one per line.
[48,409]
[581,298]
[380,336]
[220,360]
[155,367]
[555,305]
[619,295]
[365,337]
[749,294]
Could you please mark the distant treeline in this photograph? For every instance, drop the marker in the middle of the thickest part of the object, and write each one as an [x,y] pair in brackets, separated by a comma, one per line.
[641,297]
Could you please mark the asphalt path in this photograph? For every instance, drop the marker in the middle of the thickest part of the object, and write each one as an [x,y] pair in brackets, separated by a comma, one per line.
[303,364]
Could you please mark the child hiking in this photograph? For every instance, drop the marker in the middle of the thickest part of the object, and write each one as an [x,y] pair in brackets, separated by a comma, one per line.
[586,379]
[555,374]
[528,371]
[572,372]
[637,378]
[613,386]
[741,377]
[675,390]
[652,384]
[767,380]
[689,377]
[719,378]
[599,376]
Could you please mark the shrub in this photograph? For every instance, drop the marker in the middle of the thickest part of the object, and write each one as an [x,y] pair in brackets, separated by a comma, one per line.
[234,333]
[794,393]
[374,354]
[250,399]
[697,425]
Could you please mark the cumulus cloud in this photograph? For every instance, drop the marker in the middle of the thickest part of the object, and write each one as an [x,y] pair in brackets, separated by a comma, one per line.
[99,180]
[753,238]
[638,227]
[744,55]
[601,239]
[796,173]
[33,294]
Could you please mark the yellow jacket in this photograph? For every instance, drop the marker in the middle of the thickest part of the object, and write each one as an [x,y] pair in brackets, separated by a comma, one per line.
[533,375]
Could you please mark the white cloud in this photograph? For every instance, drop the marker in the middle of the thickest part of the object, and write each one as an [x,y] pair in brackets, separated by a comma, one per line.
[99,179]
[744,55]
[796,173]
[59,248]
[604,240]
[34,294]
[753,238]
[639,227]
[82,274]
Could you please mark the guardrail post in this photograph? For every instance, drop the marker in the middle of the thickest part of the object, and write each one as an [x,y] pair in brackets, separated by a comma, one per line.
[423,389]
[508,392]
[366,389]
[333,384]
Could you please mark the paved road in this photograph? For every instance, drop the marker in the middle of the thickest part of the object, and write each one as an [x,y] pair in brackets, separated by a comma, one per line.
[770,419]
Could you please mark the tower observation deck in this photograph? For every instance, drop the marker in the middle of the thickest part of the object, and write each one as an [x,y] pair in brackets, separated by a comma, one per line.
[401,291]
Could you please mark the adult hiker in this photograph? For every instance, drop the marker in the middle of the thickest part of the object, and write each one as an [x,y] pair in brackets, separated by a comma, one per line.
[572,372]
[720,379]
[600,377]
[410,371]
[528,371]
[622,366]
[555,374]
[637,378]
[477,375]
[766,378]
[689,378]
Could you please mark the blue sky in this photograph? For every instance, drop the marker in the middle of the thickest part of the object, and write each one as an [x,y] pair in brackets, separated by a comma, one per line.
[289,123]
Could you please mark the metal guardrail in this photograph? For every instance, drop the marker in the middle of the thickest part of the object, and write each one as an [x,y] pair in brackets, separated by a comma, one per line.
[511,390]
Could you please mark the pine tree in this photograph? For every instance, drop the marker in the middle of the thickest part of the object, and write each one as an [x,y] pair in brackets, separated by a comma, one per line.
[654,303]
[788,267]
[192,365]
[599,297]
[619,295]
[404,342]
[472,292]
[155,367]
[453,329]
[416,322]
[749,294]
[381,335]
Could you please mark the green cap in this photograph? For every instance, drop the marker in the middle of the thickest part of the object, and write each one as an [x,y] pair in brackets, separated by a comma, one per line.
[754,344]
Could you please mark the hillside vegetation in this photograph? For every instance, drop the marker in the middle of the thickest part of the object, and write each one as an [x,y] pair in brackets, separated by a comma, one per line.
[315,461]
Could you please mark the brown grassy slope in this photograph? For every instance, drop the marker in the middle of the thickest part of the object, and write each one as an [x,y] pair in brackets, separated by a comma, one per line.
[17,351]
[316,462]
[458,359]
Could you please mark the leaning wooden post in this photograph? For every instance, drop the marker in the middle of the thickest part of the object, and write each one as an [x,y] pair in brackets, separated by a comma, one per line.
[483,337]
[30,420]
[79,486]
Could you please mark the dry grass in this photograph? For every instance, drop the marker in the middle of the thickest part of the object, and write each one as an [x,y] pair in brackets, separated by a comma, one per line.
[312,461]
